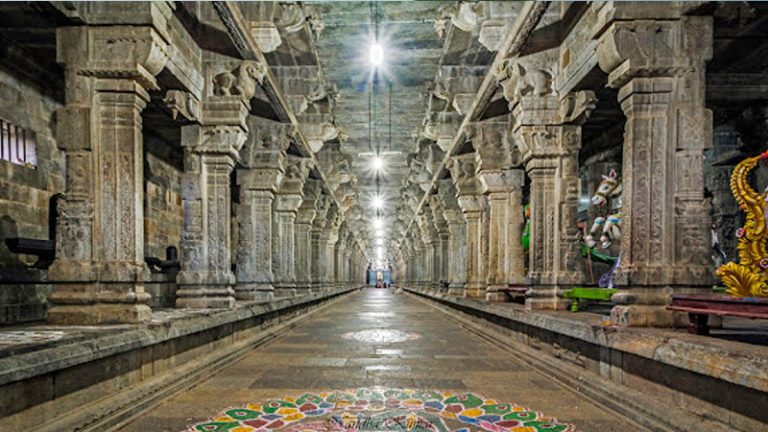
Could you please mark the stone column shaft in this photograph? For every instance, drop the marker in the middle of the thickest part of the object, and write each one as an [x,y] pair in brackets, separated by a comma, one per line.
[284,240]
[206,279]
[99,268]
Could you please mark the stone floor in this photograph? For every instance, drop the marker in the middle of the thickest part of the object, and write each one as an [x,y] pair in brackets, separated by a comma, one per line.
[370,344]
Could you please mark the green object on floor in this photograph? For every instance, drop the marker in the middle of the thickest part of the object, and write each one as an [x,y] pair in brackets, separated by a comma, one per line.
[577,294]
[718,289]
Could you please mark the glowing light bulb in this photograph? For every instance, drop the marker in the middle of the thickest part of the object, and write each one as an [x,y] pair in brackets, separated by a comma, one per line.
[376,54]
[379,233]
[378,163]
[377,202]
[377,223]
[380,241]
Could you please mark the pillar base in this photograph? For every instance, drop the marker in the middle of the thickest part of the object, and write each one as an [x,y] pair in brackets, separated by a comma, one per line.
[495,294]
[205,297]
[254,292]
[475,292]
[456,290]
[303,288]
[91,303]
[545,298]
[99,313]
[647,307]
[283,291]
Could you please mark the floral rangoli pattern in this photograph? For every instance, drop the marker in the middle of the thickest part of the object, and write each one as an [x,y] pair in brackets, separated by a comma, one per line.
[379,409]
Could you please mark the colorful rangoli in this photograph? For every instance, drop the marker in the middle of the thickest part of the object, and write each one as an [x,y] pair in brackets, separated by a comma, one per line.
[378,409]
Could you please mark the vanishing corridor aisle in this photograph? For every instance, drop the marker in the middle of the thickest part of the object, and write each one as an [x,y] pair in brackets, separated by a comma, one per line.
[417,348]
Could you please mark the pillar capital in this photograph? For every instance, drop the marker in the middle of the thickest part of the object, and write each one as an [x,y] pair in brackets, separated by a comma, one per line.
[137,53]
[463,170]
[672,44]
[501,181]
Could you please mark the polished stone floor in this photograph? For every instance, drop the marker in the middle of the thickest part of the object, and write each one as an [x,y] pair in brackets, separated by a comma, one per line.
[369,344]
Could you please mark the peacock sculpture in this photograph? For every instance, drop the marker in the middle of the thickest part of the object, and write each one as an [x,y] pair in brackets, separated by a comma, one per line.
[748,277]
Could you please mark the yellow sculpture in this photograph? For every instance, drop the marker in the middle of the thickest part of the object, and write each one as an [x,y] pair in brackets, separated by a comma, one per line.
[749,277]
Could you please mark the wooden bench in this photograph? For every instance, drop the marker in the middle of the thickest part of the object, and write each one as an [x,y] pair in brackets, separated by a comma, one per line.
[700,307]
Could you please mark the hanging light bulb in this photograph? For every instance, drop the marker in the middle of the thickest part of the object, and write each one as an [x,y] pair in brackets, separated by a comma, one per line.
[376,54]
[378,163]
[377,202]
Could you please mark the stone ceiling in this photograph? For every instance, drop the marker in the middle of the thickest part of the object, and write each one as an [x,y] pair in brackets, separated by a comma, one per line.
[412,51]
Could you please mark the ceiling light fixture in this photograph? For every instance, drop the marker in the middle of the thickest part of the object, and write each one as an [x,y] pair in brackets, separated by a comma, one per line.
[376,54]
[378,163]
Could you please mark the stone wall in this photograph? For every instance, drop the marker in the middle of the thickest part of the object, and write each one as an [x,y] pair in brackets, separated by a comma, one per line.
[25,193]
[163,213]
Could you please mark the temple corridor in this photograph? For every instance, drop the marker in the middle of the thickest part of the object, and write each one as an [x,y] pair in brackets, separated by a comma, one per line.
[565,205]
[376,339]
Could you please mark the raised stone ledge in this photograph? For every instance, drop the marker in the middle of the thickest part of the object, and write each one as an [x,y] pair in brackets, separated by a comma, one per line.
[735,362]
[636,372]
[87,344]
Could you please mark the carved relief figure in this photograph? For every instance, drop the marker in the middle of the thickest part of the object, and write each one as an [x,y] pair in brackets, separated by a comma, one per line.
[242,81]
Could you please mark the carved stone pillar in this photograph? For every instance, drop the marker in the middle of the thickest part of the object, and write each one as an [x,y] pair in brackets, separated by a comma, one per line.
[341,251]
[472,204]
[332,237]
[99,268]
[506,260]
[206,279]
[503,187]
[427,231]
[258,185]
[319,242]
[551,158]
[665,223]
[303,248]
[441,247]
[211,151]
[287,202]
[457,246]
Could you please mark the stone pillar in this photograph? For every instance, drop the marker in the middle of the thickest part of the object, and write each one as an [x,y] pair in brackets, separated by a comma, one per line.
[206,279]
[506,260]
[258,184]
[442,245]
[99,268]
[340,252]
[472,204]
[287,202]
[303,247]
[548,136]
[426,229]
[665,224]
[332,236]
[457,246]
[319,242]
[502,185]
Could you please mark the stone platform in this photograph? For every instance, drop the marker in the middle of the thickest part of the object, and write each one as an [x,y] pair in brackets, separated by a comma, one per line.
[633,370]
[60,378]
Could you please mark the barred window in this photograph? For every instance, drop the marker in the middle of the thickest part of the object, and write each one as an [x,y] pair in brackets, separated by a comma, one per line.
[17,145]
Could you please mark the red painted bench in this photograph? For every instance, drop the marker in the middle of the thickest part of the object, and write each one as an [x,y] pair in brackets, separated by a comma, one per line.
[700,307]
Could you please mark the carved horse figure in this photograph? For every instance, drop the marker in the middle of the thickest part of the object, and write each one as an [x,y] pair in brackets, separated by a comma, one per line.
[608,194]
